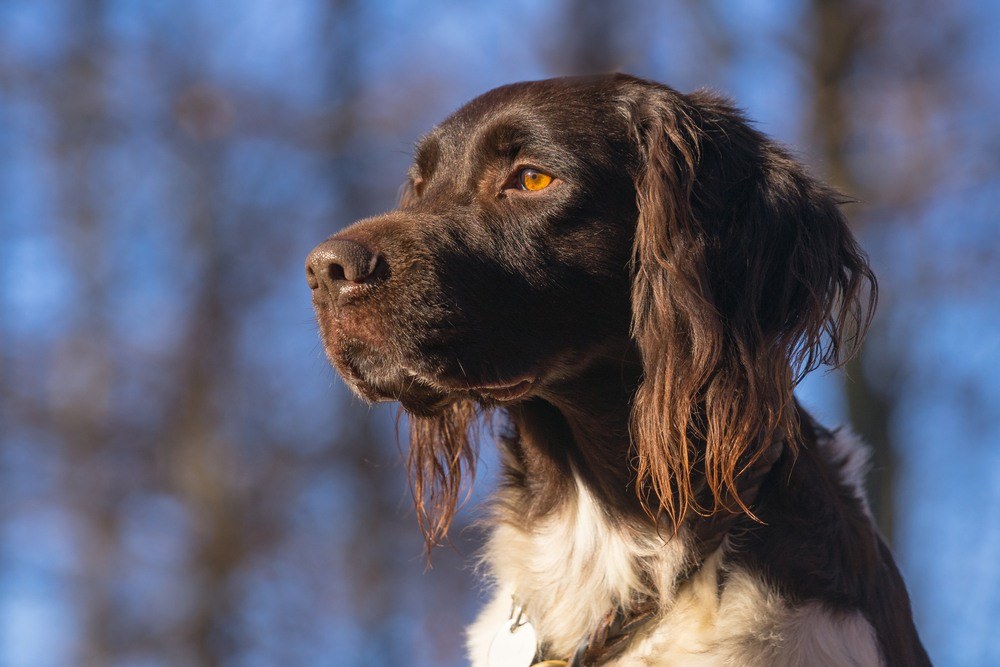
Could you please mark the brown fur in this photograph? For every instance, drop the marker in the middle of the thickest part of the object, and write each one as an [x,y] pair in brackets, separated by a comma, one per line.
[441,455]
[746,278]
[639,325]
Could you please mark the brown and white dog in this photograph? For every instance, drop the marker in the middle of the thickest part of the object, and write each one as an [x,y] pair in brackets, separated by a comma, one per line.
[634,280]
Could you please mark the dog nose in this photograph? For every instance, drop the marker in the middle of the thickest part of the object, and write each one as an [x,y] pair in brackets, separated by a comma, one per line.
[338,263]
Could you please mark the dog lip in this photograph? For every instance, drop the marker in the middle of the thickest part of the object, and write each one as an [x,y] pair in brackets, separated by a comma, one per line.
[506,391]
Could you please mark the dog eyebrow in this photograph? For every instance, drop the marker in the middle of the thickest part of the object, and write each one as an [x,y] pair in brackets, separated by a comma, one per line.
[504,140]
[508,141]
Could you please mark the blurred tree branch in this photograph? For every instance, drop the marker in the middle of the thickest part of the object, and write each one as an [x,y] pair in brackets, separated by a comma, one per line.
[838,27]
[82,370]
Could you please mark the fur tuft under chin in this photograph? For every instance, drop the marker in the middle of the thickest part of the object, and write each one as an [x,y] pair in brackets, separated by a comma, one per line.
[441,464]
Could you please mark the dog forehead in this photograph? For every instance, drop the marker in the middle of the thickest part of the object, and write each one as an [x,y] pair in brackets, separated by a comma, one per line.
[561,111]
[563,98]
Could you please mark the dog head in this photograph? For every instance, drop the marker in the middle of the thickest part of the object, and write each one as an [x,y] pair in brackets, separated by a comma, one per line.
[547,223]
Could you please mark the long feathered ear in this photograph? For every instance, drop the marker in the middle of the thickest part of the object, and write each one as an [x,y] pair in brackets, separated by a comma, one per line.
[746,277]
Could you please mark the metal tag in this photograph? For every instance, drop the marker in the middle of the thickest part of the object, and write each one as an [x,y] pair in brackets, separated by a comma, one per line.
[514,644]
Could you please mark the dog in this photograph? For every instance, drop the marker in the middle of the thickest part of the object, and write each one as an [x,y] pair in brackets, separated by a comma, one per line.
[632,281]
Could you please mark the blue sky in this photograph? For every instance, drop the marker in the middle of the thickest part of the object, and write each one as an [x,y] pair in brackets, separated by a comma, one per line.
[280,72]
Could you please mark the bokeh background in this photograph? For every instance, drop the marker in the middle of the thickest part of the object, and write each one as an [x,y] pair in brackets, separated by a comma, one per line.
[183,480]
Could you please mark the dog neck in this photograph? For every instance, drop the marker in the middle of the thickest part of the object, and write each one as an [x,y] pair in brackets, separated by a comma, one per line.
[573,544]
[579,429]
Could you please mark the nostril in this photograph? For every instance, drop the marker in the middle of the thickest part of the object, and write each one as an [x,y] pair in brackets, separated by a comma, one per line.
[311,278]
[336,272]
[378,269]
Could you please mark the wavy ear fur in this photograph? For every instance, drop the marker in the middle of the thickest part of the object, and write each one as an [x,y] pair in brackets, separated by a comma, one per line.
[746,277]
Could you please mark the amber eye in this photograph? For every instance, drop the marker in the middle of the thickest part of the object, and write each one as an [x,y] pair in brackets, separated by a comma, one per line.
[534,180]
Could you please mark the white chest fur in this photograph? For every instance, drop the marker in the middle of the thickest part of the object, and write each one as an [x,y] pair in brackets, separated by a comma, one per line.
[571,568]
